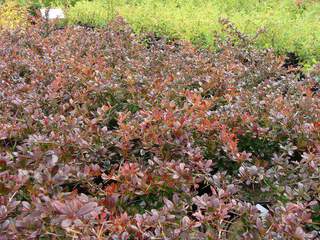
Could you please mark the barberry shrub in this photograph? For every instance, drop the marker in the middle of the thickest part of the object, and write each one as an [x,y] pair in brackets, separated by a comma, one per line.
[108,135]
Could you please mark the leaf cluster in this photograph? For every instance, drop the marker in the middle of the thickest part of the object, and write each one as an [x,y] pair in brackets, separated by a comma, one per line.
[105,134]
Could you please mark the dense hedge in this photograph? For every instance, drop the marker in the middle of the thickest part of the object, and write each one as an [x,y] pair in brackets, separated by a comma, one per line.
[109,135]
[290,25]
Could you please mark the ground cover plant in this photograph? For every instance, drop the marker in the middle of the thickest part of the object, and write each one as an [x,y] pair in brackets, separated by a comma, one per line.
[105,134]
[290,25]
[12,15]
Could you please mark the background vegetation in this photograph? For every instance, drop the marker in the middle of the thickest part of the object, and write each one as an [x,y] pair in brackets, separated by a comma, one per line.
[12,15]
[289,25]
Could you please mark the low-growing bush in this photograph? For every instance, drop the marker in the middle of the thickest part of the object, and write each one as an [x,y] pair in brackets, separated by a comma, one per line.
[291,26]
[108,135]
[12,15]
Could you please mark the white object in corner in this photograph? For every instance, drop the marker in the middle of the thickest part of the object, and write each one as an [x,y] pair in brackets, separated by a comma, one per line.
[53,13]
[263,211]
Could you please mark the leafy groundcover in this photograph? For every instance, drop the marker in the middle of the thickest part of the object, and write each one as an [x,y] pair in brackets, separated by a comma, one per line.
[108,135]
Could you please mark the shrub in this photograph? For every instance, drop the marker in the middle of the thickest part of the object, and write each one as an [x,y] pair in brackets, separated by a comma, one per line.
[12,15]
[290,27]
[106,134]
